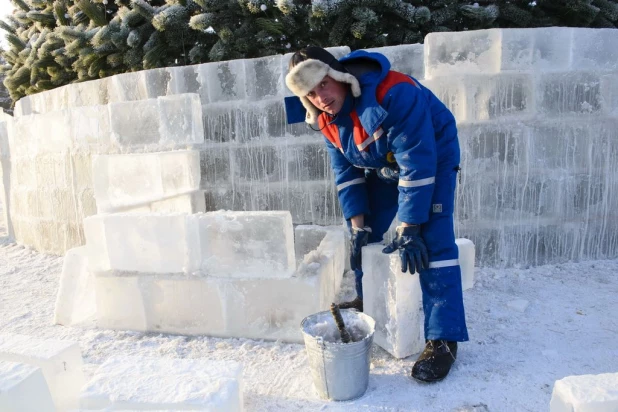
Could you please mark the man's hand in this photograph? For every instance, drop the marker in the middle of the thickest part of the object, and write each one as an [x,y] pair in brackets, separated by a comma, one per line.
[412,249]
[359,238]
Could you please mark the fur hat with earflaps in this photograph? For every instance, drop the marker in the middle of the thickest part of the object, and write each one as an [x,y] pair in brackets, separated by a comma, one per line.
[308,67]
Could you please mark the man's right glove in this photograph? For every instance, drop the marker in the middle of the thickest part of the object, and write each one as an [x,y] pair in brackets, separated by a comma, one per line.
[359,238]
[412,249]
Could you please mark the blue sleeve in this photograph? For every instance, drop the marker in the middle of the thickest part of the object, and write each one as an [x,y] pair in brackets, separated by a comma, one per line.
[351,185]
[412,140]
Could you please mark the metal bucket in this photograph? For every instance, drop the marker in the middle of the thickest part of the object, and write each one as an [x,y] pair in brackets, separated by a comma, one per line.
[340,370]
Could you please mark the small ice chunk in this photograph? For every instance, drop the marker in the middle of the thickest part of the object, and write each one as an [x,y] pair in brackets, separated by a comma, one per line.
[519,305]
[466,262]
[583,393]
[23,388]
[143,383]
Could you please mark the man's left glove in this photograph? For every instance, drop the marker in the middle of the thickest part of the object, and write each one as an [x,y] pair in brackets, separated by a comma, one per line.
[359,238]
[412,249]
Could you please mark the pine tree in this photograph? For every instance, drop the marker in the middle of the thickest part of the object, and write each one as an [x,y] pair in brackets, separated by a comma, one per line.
[56,42]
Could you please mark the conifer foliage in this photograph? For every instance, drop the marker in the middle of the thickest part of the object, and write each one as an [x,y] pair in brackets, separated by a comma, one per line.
[56,42]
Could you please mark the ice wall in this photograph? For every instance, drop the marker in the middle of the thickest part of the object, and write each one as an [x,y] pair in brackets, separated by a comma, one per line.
[537,111]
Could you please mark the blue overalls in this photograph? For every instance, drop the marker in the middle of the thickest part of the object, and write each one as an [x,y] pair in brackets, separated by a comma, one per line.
[398,123]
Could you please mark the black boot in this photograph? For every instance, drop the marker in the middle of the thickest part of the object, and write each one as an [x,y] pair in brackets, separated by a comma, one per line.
[357,304]
[435,362]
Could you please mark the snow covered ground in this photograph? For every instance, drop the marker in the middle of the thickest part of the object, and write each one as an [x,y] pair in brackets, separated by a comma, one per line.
[569,327]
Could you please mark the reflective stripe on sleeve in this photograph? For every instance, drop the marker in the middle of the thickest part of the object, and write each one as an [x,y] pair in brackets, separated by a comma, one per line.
[343,185]
[378,133]
[417,183]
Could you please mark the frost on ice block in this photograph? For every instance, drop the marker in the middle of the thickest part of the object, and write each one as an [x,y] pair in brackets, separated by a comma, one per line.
[247,244]
[394,299]
[60,361]
[75,302]
[143,383]
[585,393]
[23,389]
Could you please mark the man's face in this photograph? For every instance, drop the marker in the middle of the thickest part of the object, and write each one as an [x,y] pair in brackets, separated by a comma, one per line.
[328,95]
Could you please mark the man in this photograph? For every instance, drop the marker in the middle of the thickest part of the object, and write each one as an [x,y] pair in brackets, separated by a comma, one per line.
[394,151]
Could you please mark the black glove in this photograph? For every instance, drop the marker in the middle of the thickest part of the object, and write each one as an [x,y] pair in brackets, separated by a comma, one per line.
[359,238]
[412,249]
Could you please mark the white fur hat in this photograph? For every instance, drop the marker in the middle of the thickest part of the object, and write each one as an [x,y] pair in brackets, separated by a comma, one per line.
[307,69]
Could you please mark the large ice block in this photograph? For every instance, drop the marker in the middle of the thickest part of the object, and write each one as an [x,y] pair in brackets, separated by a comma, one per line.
[75,302]
[122,181]
[394,298]
[120,301]
[163,383]
[223,81]
[405,58]
[247,244]
[60,361]
[90,128]
[448,53]
[183,79]
[135,123]
[180,120]
[585,393]
[52,131]
[127,87]
[23,389]
[184,304]
[568,93]
[90,93]
[264,308]
[491,97]
[547,48]
[264,77]
[594,49]
[143,242]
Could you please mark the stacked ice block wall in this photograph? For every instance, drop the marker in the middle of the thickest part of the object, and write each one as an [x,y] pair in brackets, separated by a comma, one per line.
[537,111]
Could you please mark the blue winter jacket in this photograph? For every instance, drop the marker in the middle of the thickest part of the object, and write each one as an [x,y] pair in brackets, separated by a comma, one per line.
[394,120]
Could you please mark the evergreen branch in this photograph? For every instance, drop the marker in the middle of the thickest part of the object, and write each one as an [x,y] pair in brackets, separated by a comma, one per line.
[173,16]
[70,33]
[94,12]
[203,21]
[133,18]
[7,27]
[154,56]
[60,10]
[22,5]
[143,8]
[47,19]
[609,9]
[270,26]
[15,41]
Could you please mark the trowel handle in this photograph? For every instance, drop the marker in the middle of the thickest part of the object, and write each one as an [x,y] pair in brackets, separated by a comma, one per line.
[336,312]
